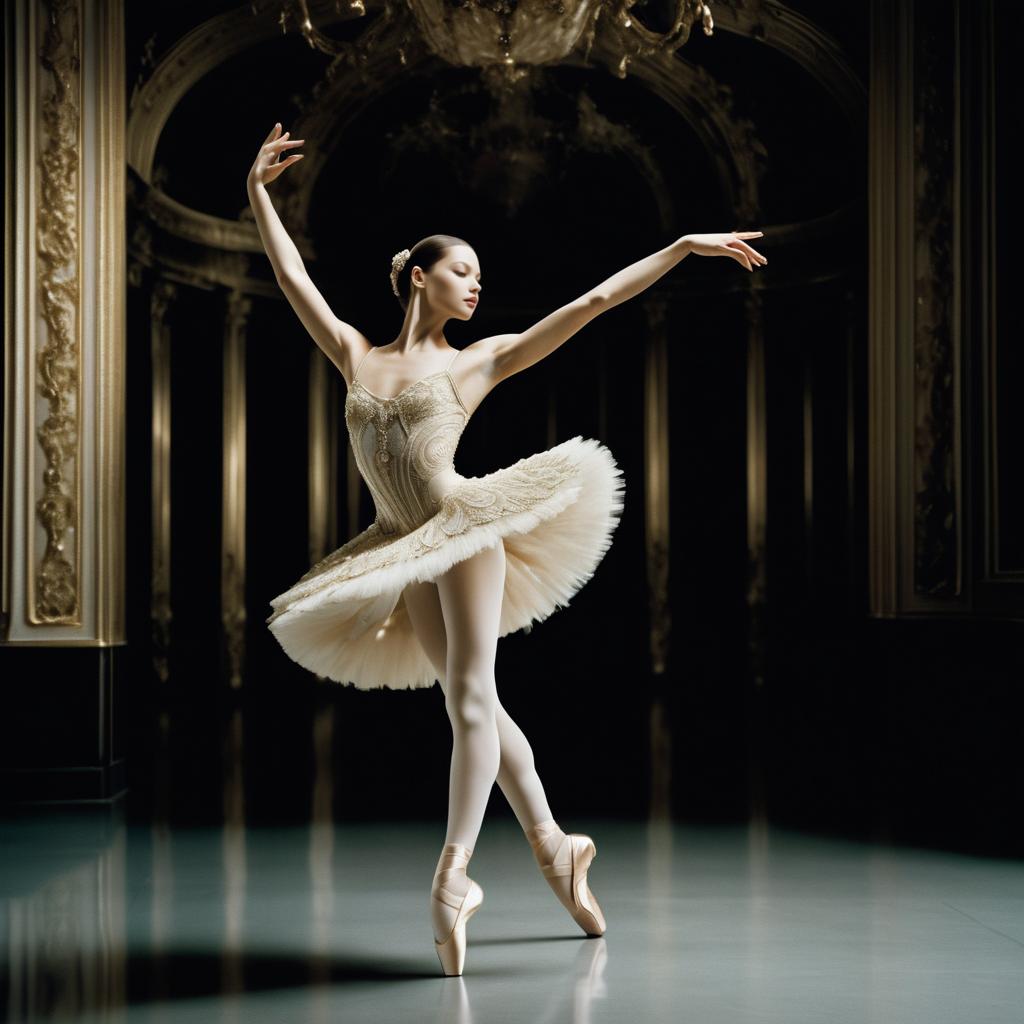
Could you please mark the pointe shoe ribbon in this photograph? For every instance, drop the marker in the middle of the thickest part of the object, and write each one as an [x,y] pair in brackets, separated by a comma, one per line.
[572,858]
[452,951]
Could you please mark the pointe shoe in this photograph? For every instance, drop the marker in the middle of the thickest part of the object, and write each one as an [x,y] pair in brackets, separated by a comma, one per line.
[452,952]
[572,858]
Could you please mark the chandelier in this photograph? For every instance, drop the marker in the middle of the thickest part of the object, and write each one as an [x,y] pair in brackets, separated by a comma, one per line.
[507,33]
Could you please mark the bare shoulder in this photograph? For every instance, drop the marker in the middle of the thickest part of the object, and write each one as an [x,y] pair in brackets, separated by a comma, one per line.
[478,369]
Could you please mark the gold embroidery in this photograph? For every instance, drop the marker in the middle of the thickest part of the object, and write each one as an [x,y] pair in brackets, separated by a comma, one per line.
[412,438]
[419,429]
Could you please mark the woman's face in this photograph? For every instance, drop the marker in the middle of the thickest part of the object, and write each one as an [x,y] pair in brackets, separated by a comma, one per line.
[453,282]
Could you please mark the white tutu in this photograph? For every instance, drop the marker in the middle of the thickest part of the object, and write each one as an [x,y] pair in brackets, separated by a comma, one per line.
[555,513]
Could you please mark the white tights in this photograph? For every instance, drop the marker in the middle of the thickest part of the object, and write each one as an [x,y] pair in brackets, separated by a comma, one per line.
[456,620]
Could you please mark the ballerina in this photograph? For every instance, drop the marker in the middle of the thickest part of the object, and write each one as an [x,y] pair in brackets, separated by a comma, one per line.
[452,563]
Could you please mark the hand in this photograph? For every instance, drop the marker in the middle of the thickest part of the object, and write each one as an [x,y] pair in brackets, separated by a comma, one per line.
[266,167]
[728,244]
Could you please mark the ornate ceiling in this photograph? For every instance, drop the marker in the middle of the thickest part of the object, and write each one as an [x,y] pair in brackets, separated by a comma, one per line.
[506,130]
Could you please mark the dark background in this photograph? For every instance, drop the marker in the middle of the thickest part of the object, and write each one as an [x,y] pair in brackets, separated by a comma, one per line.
[891,729]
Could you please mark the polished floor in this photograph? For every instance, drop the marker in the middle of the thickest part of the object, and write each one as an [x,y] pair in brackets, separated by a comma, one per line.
[103,921]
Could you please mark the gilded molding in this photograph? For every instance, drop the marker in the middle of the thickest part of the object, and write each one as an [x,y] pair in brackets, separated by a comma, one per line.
[348,85]
[63,466]
[702,101]
[198,52]
[195,248]
[920,157]
[708,106]
[54,585]
[771,23]
[730,139]
[202,228]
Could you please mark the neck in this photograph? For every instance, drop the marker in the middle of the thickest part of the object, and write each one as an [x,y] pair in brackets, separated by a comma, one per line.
[422,329]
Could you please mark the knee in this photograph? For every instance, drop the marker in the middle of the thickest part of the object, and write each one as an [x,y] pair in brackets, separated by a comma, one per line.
[471,698]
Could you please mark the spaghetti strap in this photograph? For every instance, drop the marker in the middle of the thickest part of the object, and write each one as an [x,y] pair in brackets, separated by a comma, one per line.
[355,376]
[455,387]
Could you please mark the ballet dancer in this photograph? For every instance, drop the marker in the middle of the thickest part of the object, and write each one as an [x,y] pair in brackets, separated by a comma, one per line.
[452,563]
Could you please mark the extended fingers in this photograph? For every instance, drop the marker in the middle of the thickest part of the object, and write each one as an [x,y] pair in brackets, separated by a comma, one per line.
[275,169]
[737,243]
[740,235]
[751,251]
[283,140]
[741,257]
[273,134]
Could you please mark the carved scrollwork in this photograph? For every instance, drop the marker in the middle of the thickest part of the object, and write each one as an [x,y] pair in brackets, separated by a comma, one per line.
[57,361]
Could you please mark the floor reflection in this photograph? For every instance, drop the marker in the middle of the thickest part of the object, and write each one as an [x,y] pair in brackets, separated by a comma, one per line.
[104,920]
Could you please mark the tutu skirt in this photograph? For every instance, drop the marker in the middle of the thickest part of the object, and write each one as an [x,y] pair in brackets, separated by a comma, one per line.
[554,512]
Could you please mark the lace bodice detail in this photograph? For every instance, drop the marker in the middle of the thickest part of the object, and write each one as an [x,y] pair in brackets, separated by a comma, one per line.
[405,446]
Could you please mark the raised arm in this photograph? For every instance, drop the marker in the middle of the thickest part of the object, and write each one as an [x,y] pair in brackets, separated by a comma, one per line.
[340,342]
[511,353]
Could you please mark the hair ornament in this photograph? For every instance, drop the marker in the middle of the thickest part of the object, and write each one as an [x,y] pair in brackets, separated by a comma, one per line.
[397,262]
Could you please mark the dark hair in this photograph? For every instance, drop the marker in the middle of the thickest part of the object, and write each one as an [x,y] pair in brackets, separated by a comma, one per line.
[425,253]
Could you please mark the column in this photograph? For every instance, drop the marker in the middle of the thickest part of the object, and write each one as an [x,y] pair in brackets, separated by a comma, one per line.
[163,294]
[62,621]
[656,543]
[323,455]
[232,579]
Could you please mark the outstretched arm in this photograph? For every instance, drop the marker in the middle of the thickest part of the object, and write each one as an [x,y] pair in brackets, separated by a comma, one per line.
[340,342]
[514,352]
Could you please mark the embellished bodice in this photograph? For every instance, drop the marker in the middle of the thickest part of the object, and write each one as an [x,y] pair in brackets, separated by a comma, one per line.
[405,446]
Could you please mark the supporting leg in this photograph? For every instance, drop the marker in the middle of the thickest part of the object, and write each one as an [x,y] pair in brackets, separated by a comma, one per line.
[469,596]
[517,776]
[517,773]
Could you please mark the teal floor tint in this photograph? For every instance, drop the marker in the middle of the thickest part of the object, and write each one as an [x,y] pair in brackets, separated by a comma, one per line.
[107,922]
